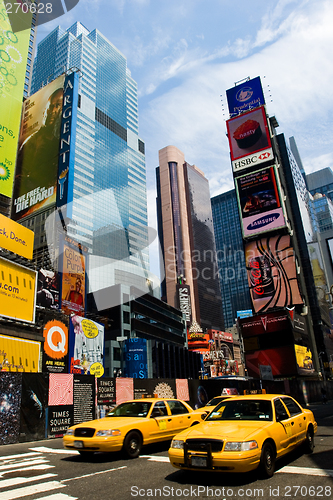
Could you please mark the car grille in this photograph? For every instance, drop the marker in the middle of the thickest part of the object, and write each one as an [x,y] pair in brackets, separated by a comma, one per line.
[86,432]
[201,444]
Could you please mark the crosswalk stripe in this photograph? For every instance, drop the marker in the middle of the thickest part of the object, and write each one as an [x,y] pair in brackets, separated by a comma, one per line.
[21,455]
[23,463]
[309,471]
[30,490]
[45,449]
[58,496]
[14,481]
[32,467]
[151,458]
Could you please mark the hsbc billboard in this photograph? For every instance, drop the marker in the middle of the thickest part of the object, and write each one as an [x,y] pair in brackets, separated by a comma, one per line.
[249,139]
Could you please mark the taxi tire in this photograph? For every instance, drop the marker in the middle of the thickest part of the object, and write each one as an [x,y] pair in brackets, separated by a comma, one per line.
[309,442]
[132,444]
[267,460]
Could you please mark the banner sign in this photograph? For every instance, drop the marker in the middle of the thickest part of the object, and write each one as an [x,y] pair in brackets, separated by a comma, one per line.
[259,202]
[55,356]
[249,139]
[136,358]
[16,238]
[86,346]
[247,95]
[13,54]
[17,291]
[184,301]
[67,143]
[73,282]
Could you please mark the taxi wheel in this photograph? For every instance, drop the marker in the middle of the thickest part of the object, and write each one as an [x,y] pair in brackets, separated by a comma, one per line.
[309,442]
[132,444]
[267,460]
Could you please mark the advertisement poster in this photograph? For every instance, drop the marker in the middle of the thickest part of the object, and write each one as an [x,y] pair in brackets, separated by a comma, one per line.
[14,50]
[33,406]
[55,355]
[135,353]
[10,395]
[247,95]
[73,289]
[259,202]
[19,355]
[48,289]
[249,139]
[17,291]
[304,360]
[86,346]
[271,272]
[36,172]
[271,323]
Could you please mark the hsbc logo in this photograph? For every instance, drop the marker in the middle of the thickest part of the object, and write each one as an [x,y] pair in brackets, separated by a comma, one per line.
[265,156]
[252,160]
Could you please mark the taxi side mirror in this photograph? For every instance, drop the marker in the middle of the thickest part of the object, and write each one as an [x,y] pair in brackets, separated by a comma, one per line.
[155,413]
[204,415]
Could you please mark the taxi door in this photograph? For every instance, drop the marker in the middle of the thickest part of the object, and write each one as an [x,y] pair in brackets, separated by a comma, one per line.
[283,434]
[181,417]
[298,419]
[160,425]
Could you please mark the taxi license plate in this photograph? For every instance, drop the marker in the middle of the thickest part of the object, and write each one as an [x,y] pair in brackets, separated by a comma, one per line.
[78,444]
[199,462]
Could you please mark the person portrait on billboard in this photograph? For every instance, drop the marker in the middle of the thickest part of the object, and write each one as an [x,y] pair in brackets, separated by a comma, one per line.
[38,155]
[74,295]
[253,203]
[44,297]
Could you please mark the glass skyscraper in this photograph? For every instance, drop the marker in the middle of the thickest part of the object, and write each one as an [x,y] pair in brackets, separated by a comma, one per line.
[230,256]
[109,213]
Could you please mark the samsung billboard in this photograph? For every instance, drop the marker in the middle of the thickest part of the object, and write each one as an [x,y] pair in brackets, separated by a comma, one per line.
[259,202]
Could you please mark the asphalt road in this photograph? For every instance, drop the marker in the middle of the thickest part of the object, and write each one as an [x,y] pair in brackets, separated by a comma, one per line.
[44,470]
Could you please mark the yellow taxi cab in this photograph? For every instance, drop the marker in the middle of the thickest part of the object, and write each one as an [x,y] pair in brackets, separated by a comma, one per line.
[214,402]
[244,433]
[131,425]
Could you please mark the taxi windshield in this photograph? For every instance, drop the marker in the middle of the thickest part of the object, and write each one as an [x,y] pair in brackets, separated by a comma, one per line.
[216,401]
[242,410]
[130,409]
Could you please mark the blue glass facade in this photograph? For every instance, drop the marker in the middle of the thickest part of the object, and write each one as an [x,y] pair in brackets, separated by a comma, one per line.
[109,193]
[230,256]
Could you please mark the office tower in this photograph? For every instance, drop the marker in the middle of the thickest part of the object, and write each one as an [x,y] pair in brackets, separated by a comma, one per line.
[31,54]
[321,182]
[109,208]
[186,234]
[230,257]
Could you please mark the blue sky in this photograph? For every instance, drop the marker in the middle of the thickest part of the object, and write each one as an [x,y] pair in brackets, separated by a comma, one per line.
[185,53]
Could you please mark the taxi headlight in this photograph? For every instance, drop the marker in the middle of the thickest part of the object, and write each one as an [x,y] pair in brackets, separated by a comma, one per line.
[177,443]
[108,432]
[240,446]
[69,432]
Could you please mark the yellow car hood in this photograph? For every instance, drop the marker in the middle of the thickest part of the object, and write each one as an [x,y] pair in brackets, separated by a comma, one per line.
[231,430]
[111,422]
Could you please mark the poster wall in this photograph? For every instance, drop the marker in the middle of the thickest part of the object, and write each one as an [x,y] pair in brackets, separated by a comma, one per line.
[14,51]
[271,272]
[36,172]
[10,397]
[259,202]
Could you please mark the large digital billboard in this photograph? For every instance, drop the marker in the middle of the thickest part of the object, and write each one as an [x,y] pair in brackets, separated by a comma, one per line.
[17,291]
[245,96]
[265,324]
[282,360]
[259,202]
[271,272]
[249,139]
[13,56]
[36,174]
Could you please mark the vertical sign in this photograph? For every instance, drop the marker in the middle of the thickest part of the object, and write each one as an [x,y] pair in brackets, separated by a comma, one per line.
[67,143]
[184,301]
[136,358]
[73,284]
